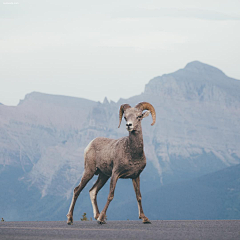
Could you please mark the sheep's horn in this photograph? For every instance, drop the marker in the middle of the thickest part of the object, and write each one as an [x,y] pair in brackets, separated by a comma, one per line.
[147,106]
[121,111]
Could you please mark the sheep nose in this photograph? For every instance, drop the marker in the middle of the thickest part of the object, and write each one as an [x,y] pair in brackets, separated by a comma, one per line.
[129,124]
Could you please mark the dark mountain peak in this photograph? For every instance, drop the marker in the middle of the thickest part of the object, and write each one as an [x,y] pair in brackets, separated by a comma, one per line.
[105,101]
[196,64]
[190,79]
[203,68]
[34,96]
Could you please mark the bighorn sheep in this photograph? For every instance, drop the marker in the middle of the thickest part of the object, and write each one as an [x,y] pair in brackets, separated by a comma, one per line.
[121,158]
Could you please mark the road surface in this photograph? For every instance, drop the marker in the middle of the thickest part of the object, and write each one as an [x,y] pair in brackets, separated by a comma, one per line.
[223,229]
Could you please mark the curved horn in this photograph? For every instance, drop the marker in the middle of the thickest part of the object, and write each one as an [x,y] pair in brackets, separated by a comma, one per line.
[147,106]
[121,111]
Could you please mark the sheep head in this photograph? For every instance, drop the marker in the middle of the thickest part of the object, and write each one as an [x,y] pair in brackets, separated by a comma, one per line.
[133,116]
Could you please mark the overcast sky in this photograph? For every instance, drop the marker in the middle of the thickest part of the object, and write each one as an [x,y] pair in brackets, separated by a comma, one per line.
[93,49]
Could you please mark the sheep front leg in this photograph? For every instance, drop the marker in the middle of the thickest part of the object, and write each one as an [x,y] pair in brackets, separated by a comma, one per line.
[87,175]
[102,216]
[136,185]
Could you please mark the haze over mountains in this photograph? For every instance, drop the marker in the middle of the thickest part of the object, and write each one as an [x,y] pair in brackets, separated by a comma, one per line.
[42,140]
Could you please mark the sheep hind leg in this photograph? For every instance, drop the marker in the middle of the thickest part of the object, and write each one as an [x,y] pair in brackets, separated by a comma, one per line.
[136,185]
[102,216]
[87,175]
[102,179]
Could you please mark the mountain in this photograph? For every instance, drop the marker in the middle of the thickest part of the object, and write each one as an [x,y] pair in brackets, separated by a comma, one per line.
[43,138]
[197,129]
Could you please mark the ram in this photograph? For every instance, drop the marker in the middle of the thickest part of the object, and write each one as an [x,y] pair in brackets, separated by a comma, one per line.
[121,158]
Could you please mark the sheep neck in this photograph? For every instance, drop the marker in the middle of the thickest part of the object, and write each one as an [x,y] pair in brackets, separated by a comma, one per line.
[136,142]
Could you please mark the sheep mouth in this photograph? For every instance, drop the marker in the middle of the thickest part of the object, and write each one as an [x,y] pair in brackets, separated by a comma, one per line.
[130,129]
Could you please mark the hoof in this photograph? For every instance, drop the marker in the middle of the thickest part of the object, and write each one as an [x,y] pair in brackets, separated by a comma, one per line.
[147,222]
[69,220]
[101,222]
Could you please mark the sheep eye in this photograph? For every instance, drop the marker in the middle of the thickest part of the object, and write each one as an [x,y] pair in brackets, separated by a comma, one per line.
[125,118]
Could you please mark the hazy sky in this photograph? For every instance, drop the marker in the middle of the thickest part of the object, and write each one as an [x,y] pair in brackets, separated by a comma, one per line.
[93,49]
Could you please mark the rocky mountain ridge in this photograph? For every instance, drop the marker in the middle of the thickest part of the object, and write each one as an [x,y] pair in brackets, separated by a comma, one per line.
[197,131]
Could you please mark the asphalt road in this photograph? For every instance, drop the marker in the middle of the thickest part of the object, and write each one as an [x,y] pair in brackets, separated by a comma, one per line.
[226,229]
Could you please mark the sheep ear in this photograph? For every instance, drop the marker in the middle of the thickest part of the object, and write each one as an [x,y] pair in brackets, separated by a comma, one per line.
[145,114]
